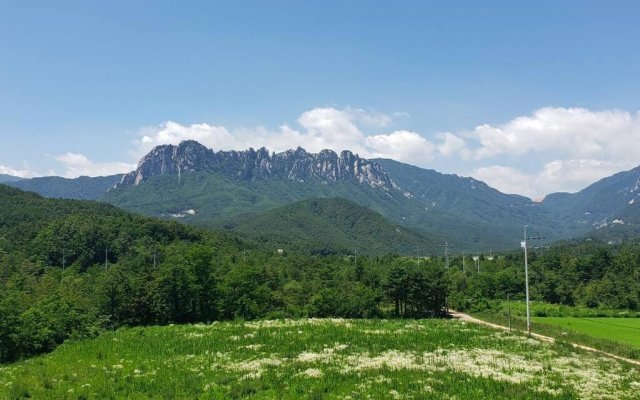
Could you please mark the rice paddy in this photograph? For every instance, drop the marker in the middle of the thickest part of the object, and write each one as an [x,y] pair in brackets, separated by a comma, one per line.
[623,330]
[318,359]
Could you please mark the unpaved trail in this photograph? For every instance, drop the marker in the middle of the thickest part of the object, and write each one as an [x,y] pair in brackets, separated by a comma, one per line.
[468,318]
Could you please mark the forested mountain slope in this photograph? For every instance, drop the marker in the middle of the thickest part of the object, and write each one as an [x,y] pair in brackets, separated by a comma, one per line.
[322,225]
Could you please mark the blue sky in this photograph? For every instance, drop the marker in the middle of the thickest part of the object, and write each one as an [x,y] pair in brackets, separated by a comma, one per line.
[500,90]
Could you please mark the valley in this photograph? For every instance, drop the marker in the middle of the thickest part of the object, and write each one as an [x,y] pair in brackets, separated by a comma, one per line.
[319,200]
[212,189]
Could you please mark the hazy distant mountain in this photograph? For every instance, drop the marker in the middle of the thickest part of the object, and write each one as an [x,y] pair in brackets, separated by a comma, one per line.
[8,178]
[82,188]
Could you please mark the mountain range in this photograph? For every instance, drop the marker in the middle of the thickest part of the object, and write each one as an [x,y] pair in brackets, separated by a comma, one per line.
[82,188]
[255,192]
[8,178]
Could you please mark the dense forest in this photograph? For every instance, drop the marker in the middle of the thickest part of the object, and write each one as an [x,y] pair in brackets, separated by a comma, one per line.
[591,274]
[69,269]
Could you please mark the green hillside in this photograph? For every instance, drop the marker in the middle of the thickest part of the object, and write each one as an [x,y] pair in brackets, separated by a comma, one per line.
[329,224]
[73,268]
[474,212]
[215,199]
[69,268]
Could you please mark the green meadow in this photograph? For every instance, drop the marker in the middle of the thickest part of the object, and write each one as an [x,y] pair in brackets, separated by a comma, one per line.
[624,330]
[318,359]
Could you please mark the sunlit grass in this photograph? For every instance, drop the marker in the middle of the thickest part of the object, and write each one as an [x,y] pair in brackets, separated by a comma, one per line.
[291,359]
[625,330]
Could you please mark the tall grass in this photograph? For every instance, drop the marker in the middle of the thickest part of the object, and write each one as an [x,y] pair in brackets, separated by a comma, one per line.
[317,359]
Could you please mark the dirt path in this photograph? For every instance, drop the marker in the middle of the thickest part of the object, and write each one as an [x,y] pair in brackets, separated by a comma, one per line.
[469,318]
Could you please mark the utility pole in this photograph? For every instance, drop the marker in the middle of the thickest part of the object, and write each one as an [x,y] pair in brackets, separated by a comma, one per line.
[355,256]
[463,270]
[509,310]
[63,259]
[417,256]
[154,256]
[526,276]
[446,255]
[446,263]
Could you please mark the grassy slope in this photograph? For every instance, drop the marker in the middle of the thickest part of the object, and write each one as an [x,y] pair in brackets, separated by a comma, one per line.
[317,359]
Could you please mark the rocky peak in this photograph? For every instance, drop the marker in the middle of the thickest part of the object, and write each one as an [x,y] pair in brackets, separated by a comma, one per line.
[298,165]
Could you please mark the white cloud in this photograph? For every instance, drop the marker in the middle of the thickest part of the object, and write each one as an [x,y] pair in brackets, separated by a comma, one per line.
[401,114]
[401,145]
[452,144]
[555,176]
[574,132]
[573,146]
[371,118]
[552,149]
[319,128]
[506,179]
[79,165]
[173,133]
[574,174]
[21,173]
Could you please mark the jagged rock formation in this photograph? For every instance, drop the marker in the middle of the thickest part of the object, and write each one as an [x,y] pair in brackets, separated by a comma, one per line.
[297,165]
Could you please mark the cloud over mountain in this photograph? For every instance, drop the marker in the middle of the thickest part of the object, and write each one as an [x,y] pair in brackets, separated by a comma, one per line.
[552,149]
[569,147]
[315,130]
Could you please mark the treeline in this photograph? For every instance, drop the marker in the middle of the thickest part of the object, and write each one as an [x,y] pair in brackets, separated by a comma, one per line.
[40,306]
[590,274]
[81,267]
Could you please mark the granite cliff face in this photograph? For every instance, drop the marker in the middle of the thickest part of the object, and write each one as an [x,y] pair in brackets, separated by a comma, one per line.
[296,165]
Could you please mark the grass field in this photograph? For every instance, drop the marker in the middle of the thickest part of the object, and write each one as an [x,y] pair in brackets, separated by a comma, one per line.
[316,359]
[540,309]
[625,330]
